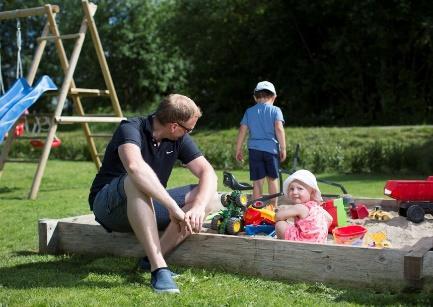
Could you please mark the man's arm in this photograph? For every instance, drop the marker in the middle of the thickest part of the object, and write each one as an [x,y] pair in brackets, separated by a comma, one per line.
[207,187]
[145,179]
[279,132]
[243,129]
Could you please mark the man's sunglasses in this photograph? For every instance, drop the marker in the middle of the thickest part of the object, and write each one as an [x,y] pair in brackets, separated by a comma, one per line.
[188,130]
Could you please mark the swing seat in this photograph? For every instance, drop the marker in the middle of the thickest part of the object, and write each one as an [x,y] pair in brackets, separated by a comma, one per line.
[19,130]
[40,144]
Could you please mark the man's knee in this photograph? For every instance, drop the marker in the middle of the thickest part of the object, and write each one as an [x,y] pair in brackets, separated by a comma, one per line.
[214,204]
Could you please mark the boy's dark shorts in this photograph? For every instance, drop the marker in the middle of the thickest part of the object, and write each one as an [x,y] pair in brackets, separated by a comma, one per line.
[110,206]
[263,164]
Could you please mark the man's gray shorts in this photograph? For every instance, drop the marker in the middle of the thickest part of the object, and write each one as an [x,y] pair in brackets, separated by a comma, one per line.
[110,205]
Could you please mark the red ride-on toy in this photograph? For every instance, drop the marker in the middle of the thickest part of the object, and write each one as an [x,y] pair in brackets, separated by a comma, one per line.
[414,197]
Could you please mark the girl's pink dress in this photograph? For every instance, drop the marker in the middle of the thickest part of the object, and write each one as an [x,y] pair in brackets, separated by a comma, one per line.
[313,228]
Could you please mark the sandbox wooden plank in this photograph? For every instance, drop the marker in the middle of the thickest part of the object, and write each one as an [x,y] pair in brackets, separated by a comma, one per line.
[292,260]
[267,257]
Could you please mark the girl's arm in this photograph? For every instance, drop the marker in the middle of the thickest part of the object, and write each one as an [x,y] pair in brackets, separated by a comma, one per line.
[329,218]
[286,212]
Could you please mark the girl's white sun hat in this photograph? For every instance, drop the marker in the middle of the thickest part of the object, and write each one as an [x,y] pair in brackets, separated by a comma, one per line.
[305,177]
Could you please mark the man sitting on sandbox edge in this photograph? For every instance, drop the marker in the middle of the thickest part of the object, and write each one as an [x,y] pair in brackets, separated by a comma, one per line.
[129,190]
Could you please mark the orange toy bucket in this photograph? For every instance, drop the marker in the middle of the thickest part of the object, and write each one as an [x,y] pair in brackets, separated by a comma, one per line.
[349,235]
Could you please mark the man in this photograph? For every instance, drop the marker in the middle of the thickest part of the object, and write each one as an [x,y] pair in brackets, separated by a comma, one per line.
[129,190]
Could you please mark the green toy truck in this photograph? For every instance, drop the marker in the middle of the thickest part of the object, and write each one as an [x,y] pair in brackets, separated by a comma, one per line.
[229,220]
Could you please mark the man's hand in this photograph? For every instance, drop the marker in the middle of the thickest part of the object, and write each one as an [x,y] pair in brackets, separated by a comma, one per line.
[179,217]
[196,217]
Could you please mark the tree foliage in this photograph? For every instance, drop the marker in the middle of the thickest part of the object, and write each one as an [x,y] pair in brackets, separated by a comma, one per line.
[143,67]
[333,62]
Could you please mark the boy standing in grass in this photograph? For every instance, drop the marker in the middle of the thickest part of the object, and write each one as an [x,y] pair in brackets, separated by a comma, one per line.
[266,142]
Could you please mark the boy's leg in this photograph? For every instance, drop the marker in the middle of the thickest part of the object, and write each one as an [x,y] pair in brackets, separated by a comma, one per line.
[273,189]
[258,188]
[272,165]
[257,171]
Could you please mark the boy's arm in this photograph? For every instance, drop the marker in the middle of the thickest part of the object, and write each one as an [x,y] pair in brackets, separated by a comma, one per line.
[243,129]
[279,132]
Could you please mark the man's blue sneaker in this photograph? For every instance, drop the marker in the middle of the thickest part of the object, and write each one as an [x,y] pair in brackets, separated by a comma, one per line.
[144,265]
[162,282]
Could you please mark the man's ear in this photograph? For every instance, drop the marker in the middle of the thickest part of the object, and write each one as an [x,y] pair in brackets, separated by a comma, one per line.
[172,127]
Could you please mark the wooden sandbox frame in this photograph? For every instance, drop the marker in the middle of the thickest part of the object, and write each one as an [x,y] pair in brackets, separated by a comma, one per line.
[261,256]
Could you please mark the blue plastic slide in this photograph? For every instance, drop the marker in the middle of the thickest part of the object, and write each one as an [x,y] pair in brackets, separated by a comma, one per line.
[16,92]
[19,106]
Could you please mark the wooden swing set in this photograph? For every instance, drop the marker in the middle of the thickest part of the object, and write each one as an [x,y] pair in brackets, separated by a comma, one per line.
[51,33]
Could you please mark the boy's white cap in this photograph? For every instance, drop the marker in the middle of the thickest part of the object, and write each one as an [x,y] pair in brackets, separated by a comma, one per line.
[265,85]
[305,177]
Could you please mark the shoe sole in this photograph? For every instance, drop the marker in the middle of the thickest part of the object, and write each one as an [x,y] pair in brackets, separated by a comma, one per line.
[172,291]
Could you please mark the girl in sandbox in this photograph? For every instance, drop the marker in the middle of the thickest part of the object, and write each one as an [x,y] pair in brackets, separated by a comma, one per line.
[300,216]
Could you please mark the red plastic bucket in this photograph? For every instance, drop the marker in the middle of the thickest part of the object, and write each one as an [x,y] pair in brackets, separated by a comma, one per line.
[349,235]
[332,210]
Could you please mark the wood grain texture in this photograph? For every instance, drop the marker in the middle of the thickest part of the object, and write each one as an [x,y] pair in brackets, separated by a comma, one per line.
[261,256]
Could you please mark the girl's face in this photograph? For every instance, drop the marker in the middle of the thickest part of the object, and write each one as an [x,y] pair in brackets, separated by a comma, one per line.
[299,193]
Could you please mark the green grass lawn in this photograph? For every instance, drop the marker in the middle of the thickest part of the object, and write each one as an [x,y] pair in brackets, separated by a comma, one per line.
[27,278]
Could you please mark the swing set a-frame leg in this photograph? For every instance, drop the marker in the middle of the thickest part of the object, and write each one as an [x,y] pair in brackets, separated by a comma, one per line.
[60,104]
[68,87]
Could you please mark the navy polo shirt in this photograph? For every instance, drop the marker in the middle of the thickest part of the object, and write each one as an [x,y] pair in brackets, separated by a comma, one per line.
[161,159]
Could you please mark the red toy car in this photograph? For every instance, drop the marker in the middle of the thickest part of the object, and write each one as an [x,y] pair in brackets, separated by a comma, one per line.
[414,197]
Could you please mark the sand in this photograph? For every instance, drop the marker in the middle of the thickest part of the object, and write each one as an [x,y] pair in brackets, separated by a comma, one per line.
[399,231]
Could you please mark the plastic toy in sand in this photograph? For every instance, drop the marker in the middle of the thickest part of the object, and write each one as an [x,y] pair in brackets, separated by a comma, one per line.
[252,230]
[378,214]
[335,207]
[349,235]
[229,220]
[377,240]
[358,211]
[414,197]
[258,214]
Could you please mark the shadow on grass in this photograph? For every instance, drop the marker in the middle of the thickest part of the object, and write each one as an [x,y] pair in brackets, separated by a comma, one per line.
[70,272]
[8,189]
[84,272]
[374,297]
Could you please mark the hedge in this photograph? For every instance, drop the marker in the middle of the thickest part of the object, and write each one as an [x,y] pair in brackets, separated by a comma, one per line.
[403,149]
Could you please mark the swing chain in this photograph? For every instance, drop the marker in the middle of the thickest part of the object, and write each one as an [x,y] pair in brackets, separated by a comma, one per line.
[2,87]
[19,43]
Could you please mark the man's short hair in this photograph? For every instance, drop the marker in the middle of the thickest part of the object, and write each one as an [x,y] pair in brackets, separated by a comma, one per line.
[177,108]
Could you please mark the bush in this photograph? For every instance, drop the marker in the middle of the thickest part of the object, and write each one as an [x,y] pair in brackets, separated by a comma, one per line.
[344,150]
